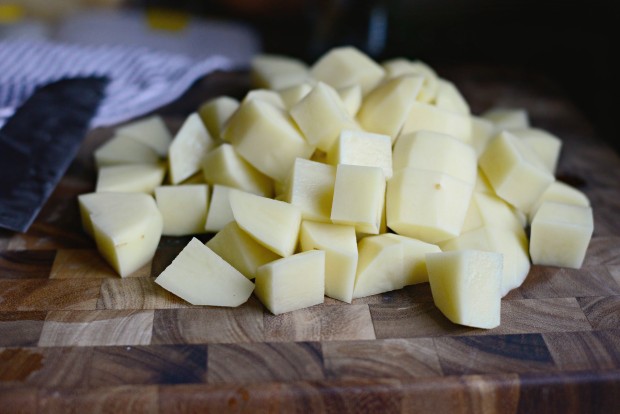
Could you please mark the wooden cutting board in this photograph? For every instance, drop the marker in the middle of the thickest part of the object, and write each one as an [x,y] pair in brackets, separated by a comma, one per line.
[74,337]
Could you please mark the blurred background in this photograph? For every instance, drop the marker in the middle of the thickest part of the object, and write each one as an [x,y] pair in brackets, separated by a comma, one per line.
[571,42]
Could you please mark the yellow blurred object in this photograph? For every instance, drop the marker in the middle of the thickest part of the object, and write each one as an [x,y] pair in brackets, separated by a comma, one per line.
[166,19]
[11,13]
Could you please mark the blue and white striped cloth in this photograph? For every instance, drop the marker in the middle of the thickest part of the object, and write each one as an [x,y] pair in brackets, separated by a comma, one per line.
[142,79]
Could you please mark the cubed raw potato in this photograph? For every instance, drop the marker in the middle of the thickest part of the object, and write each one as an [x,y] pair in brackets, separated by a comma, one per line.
[200,277]
[197,178]
[126,227]
[340,247]
[449,98]
[511,244]
[266,95]
[466,286]
[257,129]
[351,97]
[482,183]
[277,72]
[345,66]
[400,66]
[362,148]
[431,118]
[183,208]
[188,148]
[151,131]
[240,250]
[544,144]
[295,93]
[219,213]
[311,188]
[321,116]
[385,108]
[139,178]
[427,205]
[560,193]
[508,118]
[293,282]
[216,112]
[359,195]
[274,224]
[515,172]
[482,131]
[487,209]
[434,151]
[223,165]
[122,149]
[414,258]
[379,267]
[560,234]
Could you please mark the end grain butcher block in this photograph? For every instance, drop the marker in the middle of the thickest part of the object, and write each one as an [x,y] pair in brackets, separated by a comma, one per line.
[74,337]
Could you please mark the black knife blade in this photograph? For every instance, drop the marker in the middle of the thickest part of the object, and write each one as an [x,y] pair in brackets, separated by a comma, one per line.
[38,143]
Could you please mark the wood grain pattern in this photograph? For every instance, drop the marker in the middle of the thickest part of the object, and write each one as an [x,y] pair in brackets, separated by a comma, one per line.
[137,293]
[557,282]
[602,312]
[86,264]
[26,264]
[21,328]
[584,350]
[121,399]
[44,294]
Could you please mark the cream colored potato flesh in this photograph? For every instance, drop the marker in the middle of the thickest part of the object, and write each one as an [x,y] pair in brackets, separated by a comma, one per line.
[223,165]
[257,129]
[183,208]
[240,250]
[466,286]
[340,247]
[560,234]
[544,144]
[126,226]
[351,97]
[362,148]
[385,109]
[140,178]
[414,258]
[188,148]
[266,95]
[379,267]
[515,172]
[482,131]
[359,195]
[151,131]
[122,149]
[311,188]
[506,118]
[216,112]
[427,205]
[293,282]
[400,66]
[277,72]
[274,224]
[489,210]
[201,277]
[431,118]
[449,98]
[219,212]
[560,193]
[293,94]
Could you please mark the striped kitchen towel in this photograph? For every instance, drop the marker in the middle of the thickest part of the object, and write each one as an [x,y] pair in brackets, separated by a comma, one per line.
[141,79]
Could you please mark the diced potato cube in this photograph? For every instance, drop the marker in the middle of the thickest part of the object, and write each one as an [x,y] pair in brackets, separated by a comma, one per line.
[385,108]
[340,246]
[183,208]
[362,148]
[277,72]
[560,193]
[351,97]
[515,171]
[188,148]
[560,234]
[240,250]
[359,195]
[122,149]
[544,144]
[487,209]
[257,128]
[507,118]
[344,66]
[482,131]
[379,267]
[266,95]
[400,66]
[414,258]
[274,224]
[449,98]
[201,277]
[224,166]
[293,282]
[431,118]
[436,152]
[216,112]
[466,286]
[295,93]
[321,115]
[311,188]
[219,212]
[151,131]
[141,178]
[427,205]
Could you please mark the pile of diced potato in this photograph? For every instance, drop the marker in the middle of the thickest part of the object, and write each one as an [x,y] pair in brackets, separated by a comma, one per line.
[346,179]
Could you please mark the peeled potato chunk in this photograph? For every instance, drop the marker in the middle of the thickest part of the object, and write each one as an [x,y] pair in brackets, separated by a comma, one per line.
[277,72]
[139,178]
[219,212]
[482,130]
[122,149]
[544,144]
[379,267]
[449,98]
[183,207]
[400,66]
[215,112]
[351,97]
[414,258]
[362,148]
[431,118]
[293,282]
[507,118]
[151,131]
[560,193]
[188,148]
[311,188]
[466,286]
[126,227]
[201,277]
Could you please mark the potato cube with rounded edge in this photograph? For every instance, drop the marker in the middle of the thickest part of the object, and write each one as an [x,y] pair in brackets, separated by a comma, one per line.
[431,118]
[219,212]
[380,267]
[544,144]
[240,250]
[560,192]
[201,277]
[359,195]
[122,149]
[266,95]
[449,98]
[362,148]
[311,188]
[139,178]
[486,209]
[188,148]
[216,112]
[126,227]
[466,286]
[151,131]
[414,258]
[295,93]
[482,131]
[293,282]
[507,118]
[277,72]
[351,97]
[183,208]
[274,224]
[560,234]
[400,66]
[340,248]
